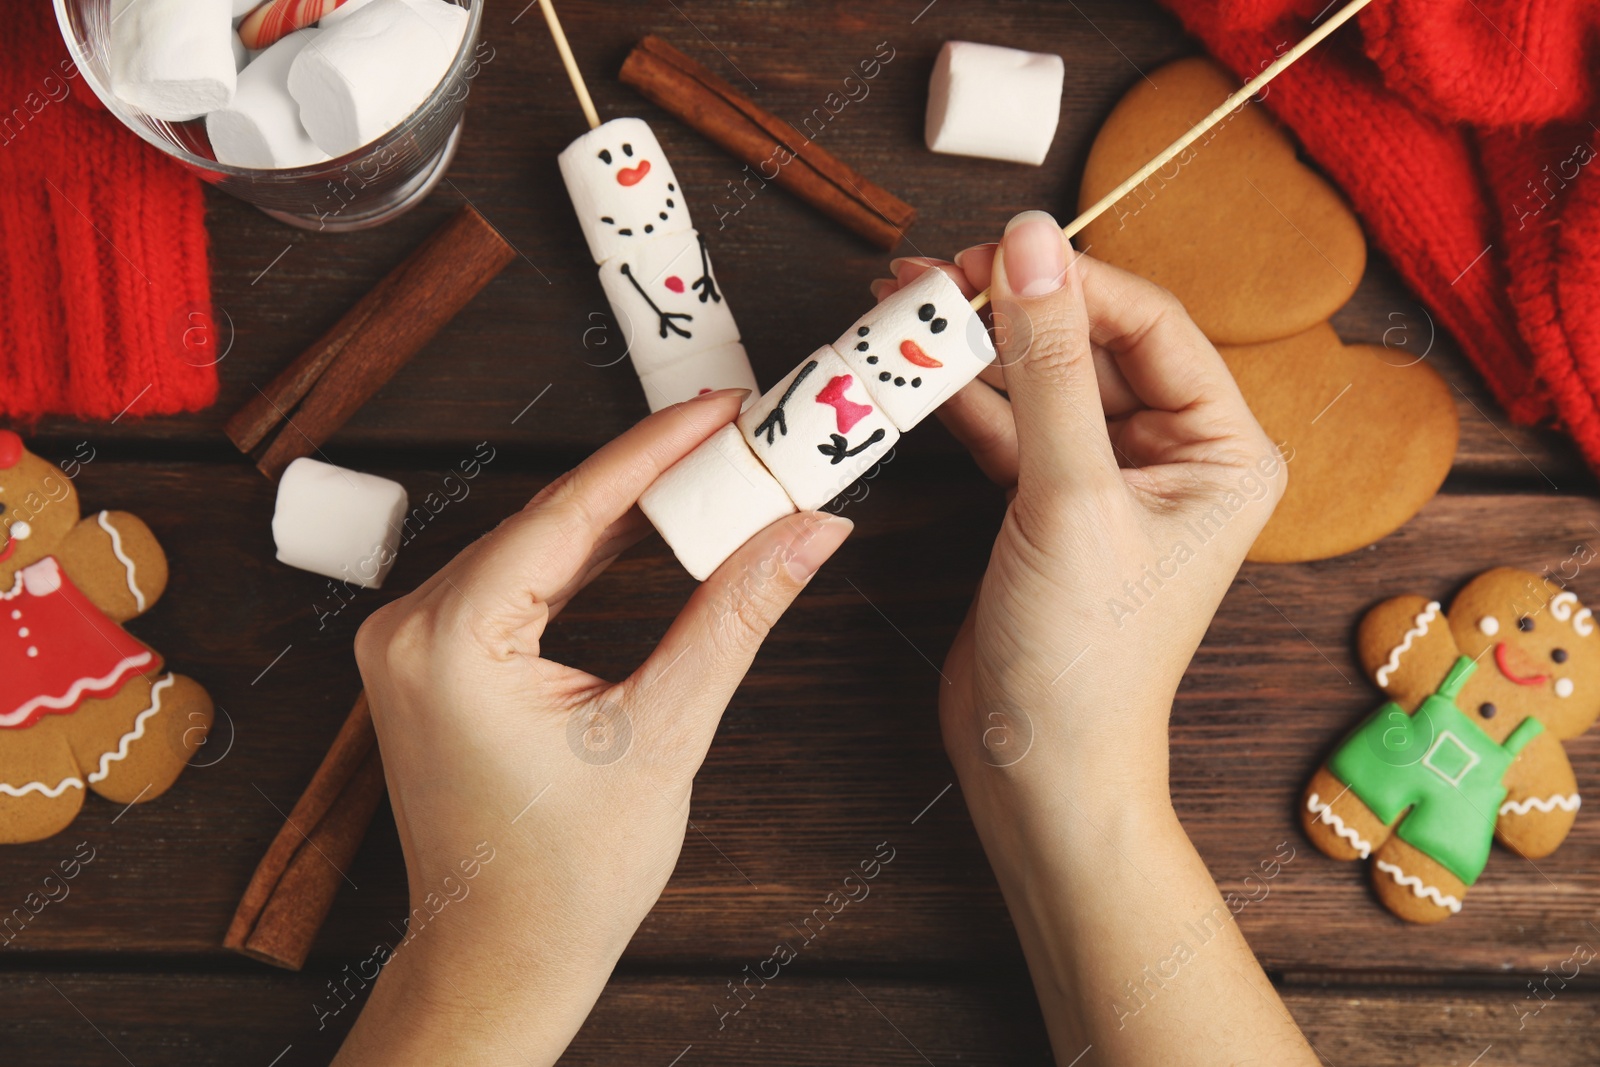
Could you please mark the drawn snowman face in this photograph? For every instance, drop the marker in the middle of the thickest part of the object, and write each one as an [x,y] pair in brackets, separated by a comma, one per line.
[917,348]
[622,187]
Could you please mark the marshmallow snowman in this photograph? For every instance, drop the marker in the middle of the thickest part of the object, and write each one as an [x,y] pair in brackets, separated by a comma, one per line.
[666,300]
[818,430]
[654,265]
[917,348]
[622,188]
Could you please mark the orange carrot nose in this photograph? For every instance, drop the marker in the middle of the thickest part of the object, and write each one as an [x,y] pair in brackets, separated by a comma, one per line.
[915,355]
[633,175]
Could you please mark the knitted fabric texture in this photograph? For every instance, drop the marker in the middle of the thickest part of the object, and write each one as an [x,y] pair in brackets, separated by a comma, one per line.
[1461,132]
[105,300]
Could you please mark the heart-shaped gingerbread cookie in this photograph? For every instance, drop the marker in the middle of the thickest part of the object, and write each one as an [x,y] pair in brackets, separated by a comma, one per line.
[1256,245]
[1369,436]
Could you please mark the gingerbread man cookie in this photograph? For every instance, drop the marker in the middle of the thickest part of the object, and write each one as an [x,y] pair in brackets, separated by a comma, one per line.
[83,704]
[1468,748]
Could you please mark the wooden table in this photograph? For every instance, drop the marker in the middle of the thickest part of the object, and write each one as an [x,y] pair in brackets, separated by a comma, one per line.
[831,746]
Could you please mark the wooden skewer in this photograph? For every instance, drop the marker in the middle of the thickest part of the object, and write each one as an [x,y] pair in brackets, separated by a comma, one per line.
[584,100]
[1226,108]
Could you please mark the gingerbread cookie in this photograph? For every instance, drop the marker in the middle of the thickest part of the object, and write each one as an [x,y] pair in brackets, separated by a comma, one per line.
[1468,748]
[1256,245]
[1369,438]
[83,704]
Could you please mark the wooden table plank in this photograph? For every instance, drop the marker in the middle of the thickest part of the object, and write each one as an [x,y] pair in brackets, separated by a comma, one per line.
[92,1018]
[829,748]
[792,276]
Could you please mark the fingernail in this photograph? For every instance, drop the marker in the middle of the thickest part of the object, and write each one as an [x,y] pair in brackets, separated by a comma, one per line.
[1035,254]
[717,395]
[900,261]
[987,246]
[882,287]
[816,541]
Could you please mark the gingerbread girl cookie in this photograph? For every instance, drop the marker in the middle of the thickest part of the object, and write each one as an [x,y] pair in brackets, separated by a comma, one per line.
[1468,748]
[83,704]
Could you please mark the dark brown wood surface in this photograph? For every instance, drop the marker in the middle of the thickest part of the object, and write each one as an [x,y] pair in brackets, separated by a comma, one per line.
[831,746]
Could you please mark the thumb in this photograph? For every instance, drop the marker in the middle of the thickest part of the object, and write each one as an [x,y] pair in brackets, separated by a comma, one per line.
[705,653]
[1042,336]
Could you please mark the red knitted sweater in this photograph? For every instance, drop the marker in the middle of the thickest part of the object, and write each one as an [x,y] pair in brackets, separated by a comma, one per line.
[1462,132]
[105,300]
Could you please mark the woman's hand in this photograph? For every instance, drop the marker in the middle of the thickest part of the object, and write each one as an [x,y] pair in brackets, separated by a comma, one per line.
[575,787]
[1137,480]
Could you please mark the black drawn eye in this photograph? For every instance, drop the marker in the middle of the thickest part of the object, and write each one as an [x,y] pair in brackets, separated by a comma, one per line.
[1525,624]
[626,232]
[938,325]
[1557,654]
[925,312]
[605,155]
[627,149]
[608,220]
[671,188]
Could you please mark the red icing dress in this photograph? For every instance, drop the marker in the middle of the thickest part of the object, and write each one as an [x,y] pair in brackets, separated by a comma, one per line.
[57,649]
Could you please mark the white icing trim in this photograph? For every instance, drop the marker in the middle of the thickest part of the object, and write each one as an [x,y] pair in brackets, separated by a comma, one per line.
[132,735]
[1583,622]
[1546,804]
[73,695]
[70,782]
[1418,888]
[1561,605]
[1426,616]
[1324,814]
[122,557]
[16,586]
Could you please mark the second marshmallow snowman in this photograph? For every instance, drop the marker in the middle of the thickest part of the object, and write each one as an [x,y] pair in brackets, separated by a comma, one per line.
[917,348]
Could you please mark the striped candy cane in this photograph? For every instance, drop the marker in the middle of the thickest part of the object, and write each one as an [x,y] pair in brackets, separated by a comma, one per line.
[276,19]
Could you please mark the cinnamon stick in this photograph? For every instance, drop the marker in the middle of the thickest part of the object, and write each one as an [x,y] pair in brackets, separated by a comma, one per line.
[295,883]
[779,153]
[320,390]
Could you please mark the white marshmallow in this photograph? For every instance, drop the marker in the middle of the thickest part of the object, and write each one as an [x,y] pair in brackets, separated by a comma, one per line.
[261,127]
[724,367]
[993,102]
[241,8]
[342,12]
[173,59]
[919,346]
[339,523]
[666,300]
[818,430]
[370,71]
[622,187]
[241,54]
[712,501]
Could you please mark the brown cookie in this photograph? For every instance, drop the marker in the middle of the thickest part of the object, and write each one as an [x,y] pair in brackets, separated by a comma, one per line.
[83,704]
[1256,245]
[1469,748]
[1368,436]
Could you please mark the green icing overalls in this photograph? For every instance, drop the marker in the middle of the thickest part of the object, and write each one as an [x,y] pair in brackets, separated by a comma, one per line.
[1441,765]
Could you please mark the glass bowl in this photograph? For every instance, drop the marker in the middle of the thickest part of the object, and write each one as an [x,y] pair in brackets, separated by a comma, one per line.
[354,191]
